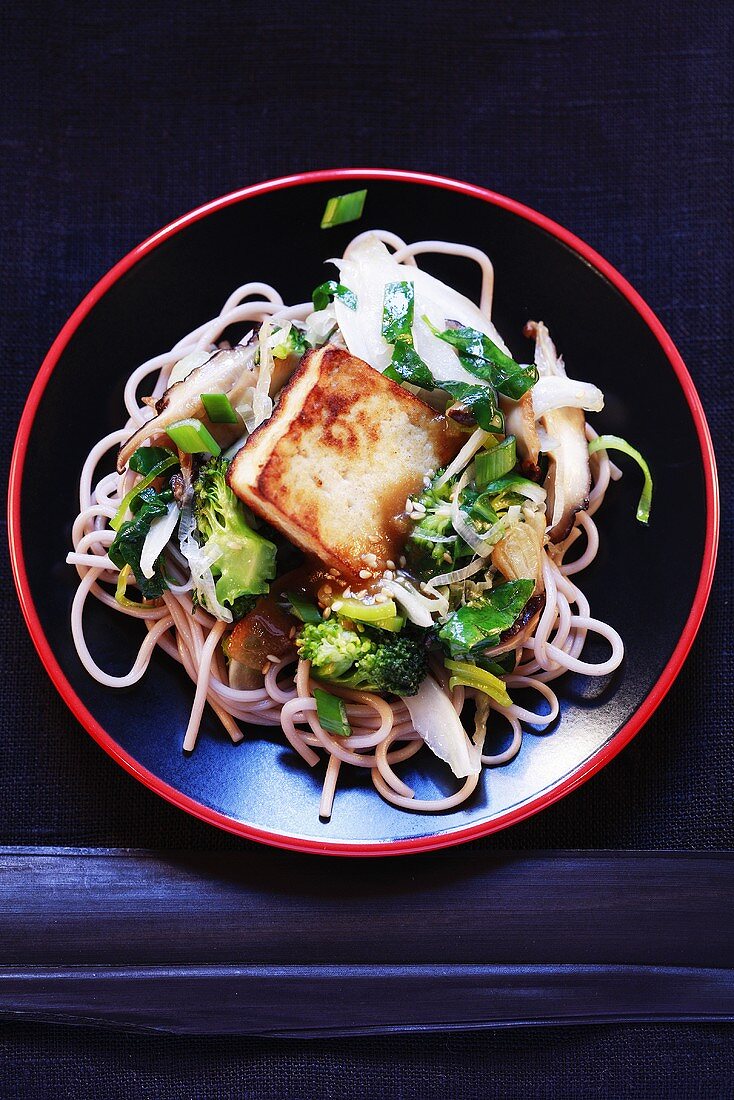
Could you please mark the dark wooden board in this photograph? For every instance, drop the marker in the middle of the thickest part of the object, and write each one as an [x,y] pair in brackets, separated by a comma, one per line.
[258,943]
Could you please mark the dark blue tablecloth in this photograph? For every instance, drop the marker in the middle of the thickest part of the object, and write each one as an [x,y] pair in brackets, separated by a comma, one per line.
[614,119]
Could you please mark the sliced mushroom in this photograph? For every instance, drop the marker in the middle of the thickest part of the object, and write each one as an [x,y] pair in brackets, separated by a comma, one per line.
[227,371]
[569,475]
[518,555]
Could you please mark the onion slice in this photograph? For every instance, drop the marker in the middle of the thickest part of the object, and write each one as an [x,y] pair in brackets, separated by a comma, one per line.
[157,539]
[435,719]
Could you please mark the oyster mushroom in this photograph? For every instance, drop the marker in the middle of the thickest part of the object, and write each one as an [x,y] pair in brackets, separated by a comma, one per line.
[230,371]
[550,418]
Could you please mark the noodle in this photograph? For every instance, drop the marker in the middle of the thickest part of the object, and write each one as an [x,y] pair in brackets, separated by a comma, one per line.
[382,732]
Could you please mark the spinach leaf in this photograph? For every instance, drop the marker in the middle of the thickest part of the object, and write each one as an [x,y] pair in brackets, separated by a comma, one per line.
[397,312]
[477,626]
[325,293]
[480,403]
[407,366]
[128,544]
[481,357]
[144,459]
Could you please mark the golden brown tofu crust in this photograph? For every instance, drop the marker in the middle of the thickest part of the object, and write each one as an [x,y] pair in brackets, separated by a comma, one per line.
[333,466]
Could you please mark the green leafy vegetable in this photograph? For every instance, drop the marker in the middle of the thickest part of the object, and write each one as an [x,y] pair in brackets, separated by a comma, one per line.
[192,437]
[130,538]
[154,472]
[332,713]
[407,366]
[475,403]
[329,290]
[343,208]
[366,661]
[483,358]
[295,344]
[144,459]
[218,408]
[397,312]
[397,329]
[478,625]
[245,560]
[304,609]
[616,443]
[489,465]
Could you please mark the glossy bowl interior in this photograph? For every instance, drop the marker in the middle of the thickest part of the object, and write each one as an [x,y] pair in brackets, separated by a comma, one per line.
[647,582]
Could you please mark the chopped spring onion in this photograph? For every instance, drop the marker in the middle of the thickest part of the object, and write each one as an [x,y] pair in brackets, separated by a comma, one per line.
[469,675]
[156,471]
[343,208]
[329,290]
[219,408]
[306,612]
[332,713]
[616,443]
[394,625]
[191,437]
[361,612]
[489,465]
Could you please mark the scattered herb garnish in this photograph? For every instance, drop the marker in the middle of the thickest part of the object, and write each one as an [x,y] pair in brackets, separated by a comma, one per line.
[130,539]
[478,625]
[332,713]
[343,208]
[329,290]
[616,443]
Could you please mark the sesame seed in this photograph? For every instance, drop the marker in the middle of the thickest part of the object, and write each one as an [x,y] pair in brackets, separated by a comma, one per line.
[361,594]
[265,669]
[334,573]
[390,563]
[418,507]
[387,575]
[274,660]
[403,560]
[426,481]
[380,598]
[447,557]
[327,612]
[347,594]
[292,632]
[409,506]
[365,574]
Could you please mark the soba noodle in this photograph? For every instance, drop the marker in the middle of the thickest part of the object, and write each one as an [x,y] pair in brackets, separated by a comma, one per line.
[382,732]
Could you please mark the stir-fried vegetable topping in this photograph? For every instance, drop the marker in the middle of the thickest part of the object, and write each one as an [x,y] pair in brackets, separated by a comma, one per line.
[469,675]
[364,661]
[329,290]
[343,208]
[152,471]
[332,713]
[219,408]
[242,561]
[494,463]
[478,625]
[616,443]
[130,541]
[192,437]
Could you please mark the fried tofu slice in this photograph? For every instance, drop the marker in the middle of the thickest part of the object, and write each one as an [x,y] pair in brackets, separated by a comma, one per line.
[333,466]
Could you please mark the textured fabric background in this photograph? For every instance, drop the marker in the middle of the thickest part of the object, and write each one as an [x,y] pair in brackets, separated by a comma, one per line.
[614,118]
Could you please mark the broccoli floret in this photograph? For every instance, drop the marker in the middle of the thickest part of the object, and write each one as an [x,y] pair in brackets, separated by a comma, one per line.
[244,560]
[395,663]
[426,555]
[331,648]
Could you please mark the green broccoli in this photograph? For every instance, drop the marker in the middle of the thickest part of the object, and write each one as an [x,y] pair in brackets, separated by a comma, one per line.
[247,560]
[365,661]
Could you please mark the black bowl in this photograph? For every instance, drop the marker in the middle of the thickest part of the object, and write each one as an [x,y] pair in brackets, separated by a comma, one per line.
[649,583]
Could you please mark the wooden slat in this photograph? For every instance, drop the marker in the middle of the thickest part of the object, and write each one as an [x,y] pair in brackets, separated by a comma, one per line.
[269,943]
[76,907]
[329,1000]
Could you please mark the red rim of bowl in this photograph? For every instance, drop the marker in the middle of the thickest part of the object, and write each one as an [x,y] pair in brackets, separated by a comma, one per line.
[415,844]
